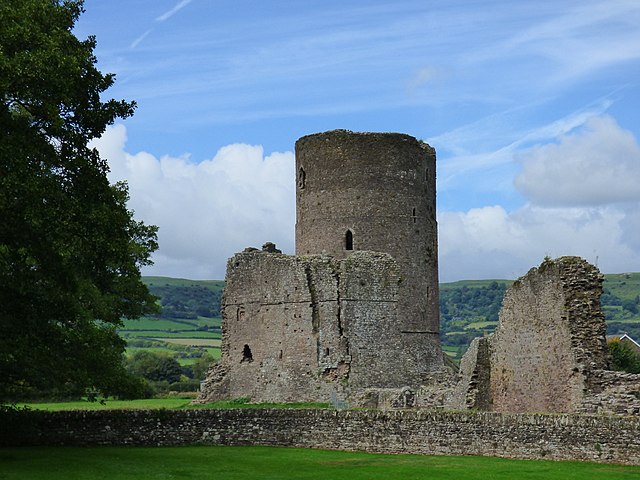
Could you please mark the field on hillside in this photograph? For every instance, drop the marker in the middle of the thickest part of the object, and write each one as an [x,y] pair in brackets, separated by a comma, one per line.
[242,463]
[189,322]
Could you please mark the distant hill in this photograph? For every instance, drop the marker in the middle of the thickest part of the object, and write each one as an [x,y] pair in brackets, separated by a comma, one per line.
[191,312]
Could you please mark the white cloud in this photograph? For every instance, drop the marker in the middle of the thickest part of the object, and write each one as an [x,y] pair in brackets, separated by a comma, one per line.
[209,210]
[489,242]
[583,199]
[598,165]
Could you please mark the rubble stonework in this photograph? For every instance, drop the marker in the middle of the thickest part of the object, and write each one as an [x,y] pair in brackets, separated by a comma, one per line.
[595,438]
[548,353]
[357,308]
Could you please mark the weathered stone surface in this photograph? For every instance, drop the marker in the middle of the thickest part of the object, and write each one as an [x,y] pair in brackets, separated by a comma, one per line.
[608,439]
[612,393]
[474,378]
[315,326]
[338,318]
[548,353]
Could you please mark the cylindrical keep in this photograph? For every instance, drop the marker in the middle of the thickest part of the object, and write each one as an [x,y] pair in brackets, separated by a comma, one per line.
[375,191]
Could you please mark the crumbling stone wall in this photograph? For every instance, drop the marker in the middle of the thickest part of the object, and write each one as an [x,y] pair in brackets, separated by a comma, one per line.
[612,393]
[308,328]
[548,353]
[551,334]
[472,389]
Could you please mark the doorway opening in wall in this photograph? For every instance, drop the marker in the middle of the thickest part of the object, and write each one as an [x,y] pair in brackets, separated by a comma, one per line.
[247,356]
[348,240]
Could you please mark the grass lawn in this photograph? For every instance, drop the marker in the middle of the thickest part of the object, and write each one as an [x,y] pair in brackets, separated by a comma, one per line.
[168,403]
[242,463]
[150,403]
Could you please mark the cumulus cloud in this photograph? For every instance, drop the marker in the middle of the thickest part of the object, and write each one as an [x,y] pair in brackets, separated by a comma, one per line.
[240,197]
[598,165]
[206,210]
[582,199]
[490,242]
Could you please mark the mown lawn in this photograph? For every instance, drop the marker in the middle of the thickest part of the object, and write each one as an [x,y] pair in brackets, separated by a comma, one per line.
[144,404]
[242,463]
[171,403]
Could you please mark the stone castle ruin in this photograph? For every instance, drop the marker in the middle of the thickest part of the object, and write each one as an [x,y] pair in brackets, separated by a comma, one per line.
[353,317]
[357,307]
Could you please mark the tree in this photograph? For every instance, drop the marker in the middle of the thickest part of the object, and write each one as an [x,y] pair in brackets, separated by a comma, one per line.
[623,357]
[70,250]
[156,367]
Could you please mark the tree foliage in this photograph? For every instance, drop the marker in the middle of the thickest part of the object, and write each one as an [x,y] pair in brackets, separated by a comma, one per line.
[155,367]
[70,250]
[623,357]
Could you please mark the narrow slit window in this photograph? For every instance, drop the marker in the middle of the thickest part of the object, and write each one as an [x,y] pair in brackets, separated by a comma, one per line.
[247,356]
[413,214]
[348,241]
[302,178]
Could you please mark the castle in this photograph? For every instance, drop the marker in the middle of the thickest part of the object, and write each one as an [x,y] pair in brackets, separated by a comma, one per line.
[353,317]
[357,307]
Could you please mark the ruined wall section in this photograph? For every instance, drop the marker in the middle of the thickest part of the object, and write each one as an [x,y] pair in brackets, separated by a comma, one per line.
[610,392]
[472,390]
[376,192]
[369,303]
[306,328]
[550,337]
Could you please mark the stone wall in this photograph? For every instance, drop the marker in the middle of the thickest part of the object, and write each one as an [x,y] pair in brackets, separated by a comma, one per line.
[612,393]
[608,439]
[548,353]
[311,328]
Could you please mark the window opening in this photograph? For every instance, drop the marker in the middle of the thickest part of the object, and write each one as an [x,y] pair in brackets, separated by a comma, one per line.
[302,177]
[348,244]
[247,356]
[413,214]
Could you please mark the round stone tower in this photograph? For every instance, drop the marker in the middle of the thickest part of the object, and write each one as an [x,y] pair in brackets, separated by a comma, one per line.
[376,192]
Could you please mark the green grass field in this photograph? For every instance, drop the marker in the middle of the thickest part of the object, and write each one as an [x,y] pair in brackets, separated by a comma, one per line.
[242,463]
[180,402]
[145,404]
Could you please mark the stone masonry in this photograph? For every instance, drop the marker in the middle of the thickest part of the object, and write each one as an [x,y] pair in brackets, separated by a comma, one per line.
[548,353]
[596,438]
[357,308]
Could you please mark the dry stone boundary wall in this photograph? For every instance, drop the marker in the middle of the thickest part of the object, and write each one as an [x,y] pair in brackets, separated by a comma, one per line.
[606,439]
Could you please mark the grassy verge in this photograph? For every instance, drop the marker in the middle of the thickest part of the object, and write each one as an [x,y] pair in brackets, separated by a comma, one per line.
[241,463]
[145,404]
[171,403]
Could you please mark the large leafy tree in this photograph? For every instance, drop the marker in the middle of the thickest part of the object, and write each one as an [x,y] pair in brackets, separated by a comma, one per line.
[70,250]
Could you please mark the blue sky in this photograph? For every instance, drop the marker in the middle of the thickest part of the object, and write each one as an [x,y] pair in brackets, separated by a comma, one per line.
[532,106]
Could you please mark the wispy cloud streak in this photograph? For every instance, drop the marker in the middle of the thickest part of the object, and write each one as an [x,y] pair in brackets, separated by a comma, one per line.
[139,40]
[179,6]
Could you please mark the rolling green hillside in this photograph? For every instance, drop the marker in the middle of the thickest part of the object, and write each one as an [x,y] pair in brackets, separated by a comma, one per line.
[189,323]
